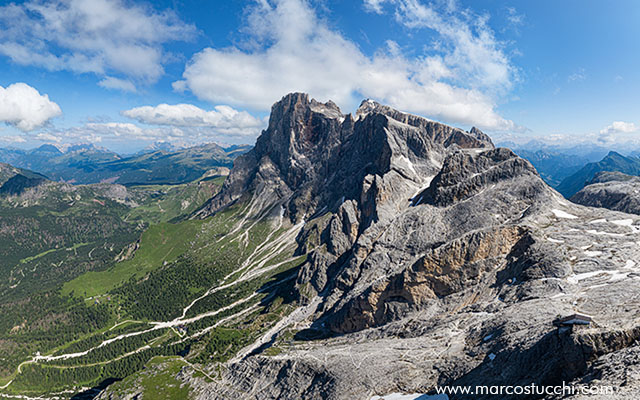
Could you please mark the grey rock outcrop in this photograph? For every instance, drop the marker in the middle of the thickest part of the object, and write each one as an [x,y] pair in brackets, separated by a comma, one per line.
[612,190]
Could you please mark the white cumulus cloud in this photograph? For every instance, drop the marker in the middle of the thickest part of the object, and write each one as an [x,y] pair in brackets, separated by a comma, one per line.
[125,132]
[223,119]
[620,127]
[467,48]
[47,137]
[96,132]
[25,108]
[294,50]
[104,37]
[619,136]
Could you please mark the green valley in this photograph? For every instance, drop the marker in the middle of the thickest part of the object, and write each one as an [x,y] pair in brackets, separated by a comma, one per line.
[135,283]
[160,244]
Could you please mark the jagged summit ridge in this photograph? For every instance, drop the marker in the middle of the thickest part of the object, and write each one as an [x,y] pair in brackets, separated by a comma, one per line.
[313,155]
[369,106]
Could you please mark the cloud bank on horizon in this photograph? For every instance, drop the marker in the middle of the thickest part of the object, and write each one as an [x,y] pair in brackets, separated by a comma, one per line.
[171,79]
[224,119]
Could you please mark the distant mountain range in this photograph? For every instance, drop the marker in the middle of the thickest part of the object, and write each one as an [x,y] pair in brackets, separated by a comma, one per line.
[164,146]
[553,166]
[613,162]
[554,163]
[85,164]
[590,151]
[569,169]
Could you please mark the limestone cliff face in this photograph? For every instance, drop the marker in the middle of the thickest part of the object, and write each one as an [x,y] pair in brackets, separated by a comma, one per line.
[444,270]
[311,155]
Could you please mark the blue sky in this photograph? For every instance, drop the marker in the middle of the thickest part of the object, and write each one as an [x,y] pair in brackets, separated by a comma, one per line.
[122,74]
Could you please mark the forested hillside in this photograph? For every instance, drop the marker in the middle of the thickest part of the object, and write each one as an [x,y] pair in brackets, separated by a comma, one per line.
[54,233]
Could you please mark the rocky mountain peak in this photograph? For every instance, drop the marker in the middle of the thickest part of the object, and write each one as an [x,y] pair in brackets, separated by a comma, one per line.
[612,162]
[48,148]
[367,106]
[477,133]
[464,174]
[614,154]
[298,125]
[314,155]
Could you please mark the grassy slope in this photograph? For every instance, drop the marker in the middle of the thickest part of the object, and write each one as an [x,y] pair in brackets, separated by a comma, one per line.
[158,381]
[169,202]
[45,241]
[161,243]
